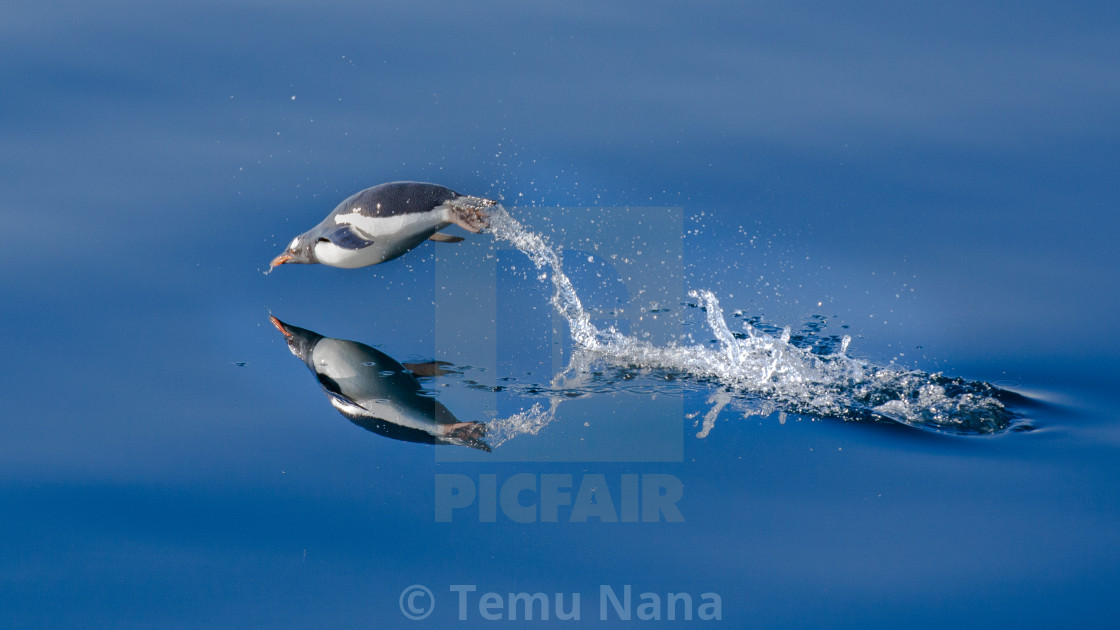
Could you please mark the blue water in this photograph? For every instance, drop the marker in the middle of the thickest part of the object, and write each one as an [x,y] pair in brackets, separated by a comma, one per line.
[937,185]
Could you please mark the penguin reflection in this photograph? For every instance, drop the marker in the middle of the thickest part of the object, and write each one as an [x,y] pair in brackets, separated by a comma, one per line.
[376,392]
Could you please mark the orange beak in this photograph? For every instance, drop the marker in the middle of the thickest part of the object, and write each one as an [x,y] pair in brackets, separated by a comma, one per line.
[279,326]
[280,260]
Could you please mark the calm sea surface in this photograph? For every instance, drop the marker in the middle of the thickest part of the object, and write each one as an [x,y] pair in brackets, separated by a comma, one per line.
[936,185]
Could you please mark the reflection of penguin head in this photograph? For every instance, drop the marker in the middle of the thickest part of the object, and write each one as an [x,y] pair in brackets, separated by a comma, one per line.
[300,340]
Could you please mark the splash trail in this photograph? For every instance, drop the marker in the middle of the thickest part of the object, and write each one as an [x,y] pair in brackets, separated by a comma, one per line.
[761,372]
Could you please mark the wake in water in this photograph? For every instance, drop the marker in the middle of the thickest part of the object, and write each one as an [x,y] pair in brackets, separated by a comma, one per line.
[769,372]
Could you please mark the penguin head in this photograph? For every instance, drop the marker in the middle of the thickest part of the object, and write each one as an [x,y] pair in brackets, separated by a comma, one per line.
[300,250]
[300,340]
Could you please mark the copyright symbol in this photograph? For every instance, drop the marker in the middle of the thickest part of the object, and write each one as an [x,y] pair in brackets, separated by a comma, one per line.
[417,602]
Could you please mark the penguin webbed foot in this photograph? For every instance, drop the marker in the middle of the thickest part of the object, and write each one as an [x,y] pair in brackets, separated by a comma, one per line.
[430,368]
[470,214]
[468,434]
[440,237]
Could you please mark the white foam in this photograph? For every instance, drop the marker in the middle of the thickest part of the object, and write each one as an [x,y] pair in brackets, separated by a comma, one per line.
[769,371]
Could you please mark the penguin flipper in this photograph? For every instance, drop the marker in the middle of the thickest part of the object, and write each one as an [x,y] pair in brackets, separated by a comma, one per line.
[445,238]
[341,401]
[345,237]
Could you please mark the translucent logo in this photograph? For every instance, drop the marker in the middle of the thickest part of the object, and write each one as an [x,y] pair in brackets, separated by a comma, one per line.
[417,602]
[504,310]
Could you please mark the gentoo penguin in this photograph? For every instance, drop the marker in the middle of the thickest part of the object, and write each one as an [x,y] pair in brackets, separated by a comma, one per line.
[376,392]
[383,222]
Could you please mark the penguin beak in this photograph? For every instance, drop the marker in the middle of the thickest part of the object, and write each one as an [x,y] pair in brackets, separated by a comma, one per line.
[279,326]
[280,260]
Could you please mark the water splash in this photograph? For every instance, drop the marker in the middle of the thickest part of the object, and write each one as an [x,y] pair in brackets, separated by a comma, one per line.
[528,422]
[760,372]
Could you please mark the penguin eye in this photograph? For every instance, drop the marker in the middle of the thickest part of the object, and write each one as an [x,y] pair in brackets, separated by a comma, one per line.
[323,239]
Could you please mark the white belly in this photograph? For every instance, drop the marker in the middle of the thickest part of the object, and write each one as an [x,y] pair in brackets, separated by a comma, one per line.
[391,236]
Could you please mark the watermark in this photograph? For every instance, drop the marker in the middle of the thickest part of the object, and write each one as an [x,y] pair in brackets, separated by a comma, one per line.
[559,497]
[615,603]
[417,602]
[494,314]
